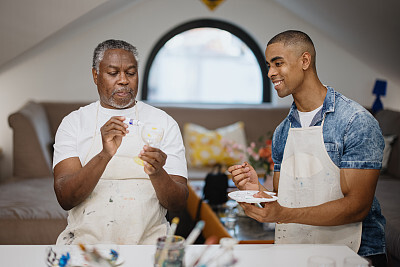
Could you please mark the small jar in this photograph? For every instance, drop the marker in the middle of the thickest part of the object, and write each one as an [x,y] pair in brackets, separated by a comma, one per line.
[227,259]
[174,254]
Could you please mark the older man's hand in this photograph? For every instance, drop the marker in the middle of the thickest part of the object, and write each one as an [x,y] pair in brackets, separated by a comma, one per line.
[153,159]
[112,133]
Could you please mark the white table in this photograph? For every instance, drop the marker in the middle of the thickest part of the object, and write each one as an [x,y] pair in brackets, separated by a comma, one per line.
[142,255]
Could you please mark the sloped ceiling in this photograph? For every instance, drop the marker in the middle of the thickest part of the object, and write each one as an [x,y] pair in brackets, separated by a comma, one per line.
[25,23]
[368,29]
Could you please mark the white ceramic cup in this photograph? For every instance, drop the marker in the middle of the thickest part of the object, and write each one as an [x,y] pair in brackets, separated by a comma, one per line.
[355,261]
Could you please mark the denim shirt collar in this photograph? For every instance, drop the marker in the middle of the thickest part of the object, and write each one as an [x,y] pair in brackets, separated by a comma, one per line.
[327,106]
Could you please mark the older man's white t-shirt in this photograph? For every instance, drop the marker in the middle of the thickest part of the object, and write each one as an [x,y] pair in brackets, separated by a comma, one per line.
[75,134]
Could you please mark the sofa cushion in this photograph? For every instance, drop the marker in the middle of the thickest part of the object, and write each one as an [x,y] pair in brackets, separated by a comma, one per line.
[56,111]
[389,139]
[387,192]
[389,121]
[30,213]
[32,138]
[225,145]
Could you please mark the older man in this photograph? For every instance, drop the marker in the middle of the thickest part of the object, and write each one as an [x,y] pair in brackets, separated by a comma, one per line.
[116,188]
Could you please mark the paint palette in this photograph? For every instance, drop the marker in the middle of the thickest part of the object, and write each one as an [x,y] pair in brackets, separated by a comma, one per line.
[99,255]
[247,196]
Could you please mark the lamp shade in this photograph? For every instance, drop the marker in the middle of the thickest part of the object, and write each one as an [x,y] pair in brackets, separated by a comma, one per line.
[380,88]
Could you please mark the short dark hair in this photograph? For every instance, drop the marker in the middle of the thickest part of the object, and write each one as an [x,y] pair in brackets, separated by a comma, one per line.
[297,38]
[291,37]
[101,48]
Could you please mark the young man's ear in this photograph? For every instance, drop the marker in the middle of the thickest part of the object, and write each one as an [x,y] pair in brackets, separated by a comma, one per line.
[306,60]
[94,73]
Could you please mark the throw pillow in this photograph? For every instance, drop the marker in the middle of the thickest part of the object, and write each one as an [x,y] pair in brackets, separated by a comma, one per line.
[225,145]
[389,139]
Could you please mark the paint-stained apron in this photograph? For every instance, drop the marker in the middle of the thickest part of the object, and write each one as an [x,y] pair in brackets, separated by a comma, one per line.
[308,177]
[123,208]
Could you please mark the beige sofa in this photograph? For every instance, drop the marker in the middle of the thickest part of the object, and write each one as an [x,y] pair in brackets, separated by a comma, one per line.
[30,213]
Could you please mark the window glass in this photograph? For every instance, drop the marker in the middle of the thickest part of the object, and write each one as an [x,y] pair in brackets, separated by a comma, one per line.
[216,64]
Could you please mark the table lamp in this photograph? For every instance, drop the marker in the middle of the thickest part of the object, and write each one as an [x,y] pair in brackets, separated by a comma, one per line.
[379,90]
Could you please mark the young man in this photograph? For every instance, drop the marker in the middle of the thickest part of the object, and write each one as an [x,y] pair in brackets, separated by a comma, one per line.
[327,155]
[117,189]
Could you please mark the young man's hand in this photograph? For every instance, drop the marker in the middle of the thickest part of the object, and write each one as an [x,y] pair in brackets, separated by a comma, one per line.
[244,176]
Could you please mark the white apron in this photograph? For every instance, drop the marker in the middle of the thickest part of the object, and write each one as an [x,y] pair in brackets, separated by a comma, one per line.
[309,177]
[123,208]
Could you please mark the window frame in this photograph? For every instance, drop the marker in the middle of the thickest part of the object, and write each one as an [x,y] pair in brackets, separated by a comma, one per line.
[218,24]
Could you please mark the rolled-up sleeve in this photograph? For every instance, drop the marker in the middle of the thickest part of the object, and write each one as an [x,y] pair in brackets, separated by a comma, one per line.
[363,143]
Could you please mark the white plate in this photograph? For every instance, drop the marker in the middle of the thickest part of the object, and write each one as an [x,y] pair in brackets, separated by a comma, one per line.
[247,196]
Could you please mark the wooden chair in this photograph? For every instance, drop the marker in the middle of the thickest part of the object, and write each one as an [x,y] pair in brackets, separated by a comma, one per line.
[213,226]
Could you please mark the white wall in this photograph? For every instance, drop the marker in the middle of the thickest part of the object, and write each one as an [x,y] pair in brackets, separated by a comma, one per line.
[59,68]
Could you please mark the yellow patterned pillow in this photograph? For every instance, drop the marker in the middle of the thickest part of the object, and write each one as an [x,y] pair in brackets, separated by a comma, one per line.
[224,145]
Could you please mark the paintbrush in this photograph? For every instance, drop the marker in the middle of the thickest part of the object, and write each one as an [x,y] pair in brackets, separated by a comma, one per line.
[168,241]
[212,240]
[194,233]
[226,247]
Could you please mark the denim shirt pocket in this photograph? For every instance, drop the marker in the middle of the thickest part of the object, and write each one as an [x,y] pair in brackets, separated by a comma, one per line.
[333,152]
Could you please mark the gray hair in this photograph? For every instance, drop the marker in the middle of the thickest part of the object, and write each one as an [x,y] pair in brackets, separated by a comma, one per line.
[101,48]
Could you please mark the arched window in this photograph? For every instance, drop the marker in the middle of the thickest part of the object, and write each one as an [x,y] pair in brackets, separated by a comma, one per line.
[206,61]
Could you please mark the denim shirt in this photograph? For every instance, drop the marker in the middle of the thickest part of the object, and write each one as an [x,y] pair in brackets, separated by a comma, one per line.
[353,140]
